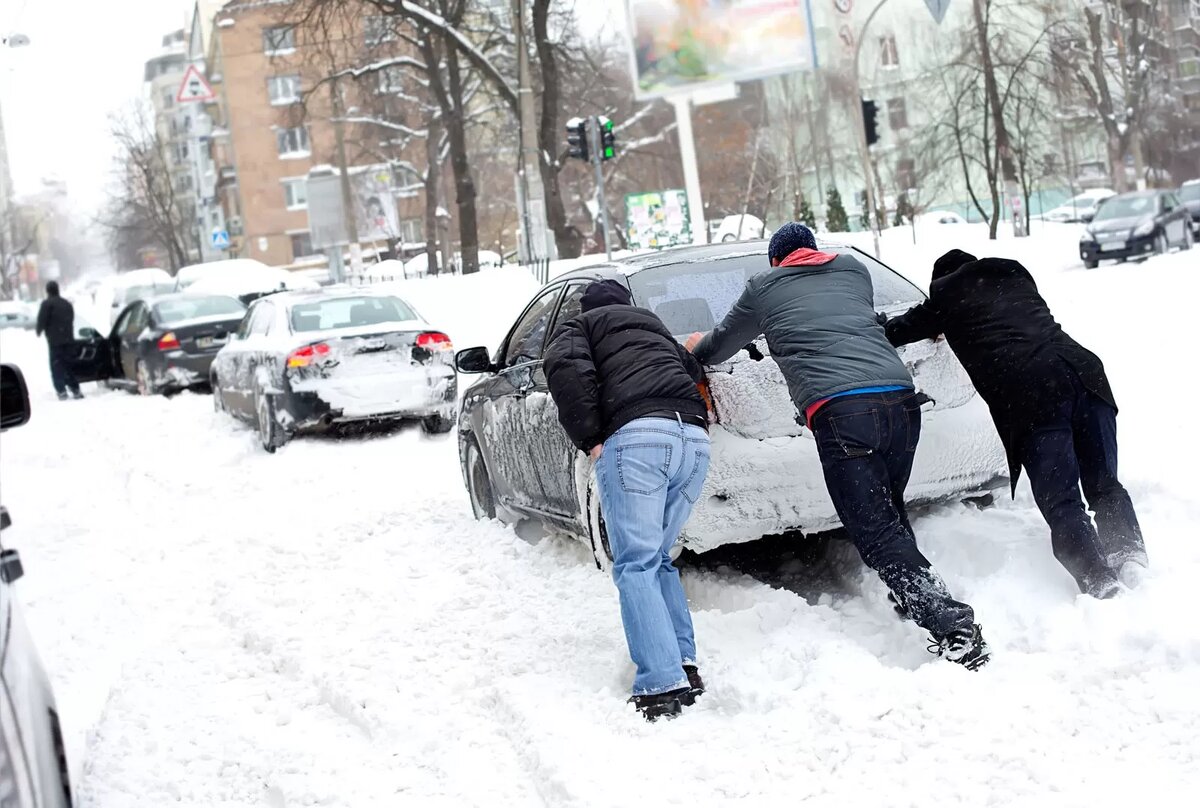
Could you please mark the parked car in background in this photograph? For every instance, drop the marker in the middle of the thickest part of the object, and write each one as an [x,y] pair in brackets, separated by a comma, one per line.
[17,314]
[243,278]
[739,227]
[33,759]
[138,284]
[1134,225]
[765,477]
[305,361]
[940,217]
[1079,208]
[160,345]
[1189,195]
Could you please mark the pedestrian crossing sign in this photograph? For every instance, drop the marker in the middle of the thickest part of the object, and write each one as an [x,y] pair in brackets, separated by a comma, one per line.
[220,239]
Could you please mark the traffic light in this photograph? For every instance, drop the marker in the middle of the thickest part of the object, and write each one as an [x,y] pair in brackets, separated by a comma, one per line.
[577,139]
[608,139]
[870,114]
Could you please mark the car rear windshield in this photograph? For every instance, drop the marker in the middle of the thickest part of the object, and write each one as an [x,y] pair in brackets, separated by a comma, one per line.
[168,312]
[1123,207]
[695,296]
[1190,192]
[349,312]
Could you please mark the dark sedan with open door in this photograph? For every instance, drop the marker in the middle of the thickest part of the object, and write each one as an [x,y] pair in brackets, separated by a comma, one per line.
[309,361]
[160,345]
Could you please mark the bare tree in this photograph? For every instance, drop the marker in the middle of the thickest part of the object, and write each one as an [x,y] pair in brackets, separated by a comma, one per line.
[145,210]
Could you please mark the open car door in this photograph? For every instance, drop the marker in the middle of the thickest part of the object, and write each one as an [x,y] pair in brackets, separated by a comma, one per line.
[91,353]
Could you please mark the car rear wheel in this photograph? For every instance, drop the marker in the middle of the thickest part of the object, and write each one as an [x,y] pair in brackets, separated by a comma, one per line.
[269,434]
[479,482]
[597,530]
[145,385]
[218,398]
[1188,238]
[1091,264]
[437,424]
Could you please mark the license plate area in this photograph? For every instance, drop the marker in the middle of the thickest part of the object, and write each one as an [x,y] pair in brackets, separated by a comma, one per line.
[1111,246]
[207,343]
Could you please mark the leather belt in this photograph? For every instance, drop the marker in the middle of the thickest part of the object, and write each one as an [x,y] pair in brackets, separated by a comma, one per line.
[671,415]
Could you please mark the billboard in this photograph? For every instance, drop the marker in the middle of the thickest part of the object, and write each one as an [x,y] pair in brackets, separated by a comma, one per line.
[679,45]
[375,215]
[657,219]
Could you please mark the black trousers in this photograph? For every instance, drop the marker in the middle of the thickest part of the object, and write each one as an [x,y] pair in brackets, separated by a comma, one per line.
[60,369]
[1077,448]
[867,443]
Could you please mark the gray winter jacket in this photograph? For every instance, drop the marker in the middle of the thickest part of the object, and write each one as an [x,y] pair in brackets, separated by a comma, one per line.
[820,325]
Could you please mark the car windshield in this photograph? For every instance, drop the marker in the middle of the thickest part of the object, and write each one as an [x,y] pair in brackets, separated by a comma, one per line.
[1124,207]
[197,308]
[694,296]
[349,312]
[1190,193]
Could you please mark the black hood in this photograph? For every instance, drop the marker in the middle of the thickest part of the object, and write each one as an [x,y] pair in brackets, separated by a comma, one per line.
[605,293]
[950,262]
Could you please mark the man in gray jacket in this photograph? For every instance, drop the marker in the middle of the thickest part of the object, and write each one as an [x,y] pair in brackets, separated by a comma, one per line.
[817,312]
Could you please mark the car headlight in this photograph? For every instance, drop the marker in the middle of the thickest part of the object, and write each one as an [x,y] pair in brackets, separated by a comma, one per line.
[1143,229]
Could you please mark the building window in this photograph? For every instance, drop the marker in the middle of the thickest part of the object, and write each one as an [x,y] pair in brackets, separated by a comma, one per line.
[888,55]
[295,193]
[279,39]
[377,30]
[391,80]
[411,231]
[292,142]
[301,245]
[407,179]
[283,90]
[168,98]
[897,114]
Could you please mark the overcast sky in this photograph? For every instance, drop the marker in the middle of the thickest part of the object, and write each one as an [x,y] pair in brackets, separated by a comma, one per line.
[84,61]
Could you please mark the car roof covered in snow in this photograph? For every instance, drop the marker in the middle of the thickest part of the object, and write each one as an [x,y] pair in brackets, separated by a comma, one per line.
[684,255]
[298,296]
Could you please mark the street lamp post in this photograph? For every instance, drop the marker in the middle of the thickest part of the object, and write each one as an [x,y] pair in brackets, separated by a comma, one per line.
[864,150]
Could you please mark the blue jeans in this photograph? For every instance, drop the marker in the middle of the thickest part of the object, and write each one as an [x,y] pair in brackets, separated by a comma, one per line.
[650,475]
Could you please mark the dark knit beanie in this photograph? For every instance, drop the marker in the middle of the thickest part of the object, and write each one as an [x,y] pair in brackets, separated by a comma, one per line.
[789,238]
[950,262]
[605,293]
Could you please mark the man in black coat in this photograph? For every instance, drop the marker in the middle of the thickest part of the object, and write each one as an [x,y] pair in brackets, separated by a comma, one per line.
[627,395]
[1052,405]
[56,319]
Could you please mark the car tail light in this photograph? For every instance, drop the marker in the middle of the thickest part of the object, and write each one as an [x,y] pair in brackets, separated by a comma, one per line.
[434,341]
[303,357]
[168,342]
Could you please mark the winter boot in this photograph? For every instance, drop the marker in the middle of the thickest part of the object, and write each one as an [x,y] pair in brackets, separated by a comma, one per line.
[964,646]
[76,394]
[900,608]
[696,686]
[660,705]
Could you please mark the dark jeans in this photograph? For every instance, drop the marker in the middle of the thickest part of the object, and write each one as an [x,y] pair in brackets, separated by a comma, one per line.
[1078,447]
[866,444]
[60,369]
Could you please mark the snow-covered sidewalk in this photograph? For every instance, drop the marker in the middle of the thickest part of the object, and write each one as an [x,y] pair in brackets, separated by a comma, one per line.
[329,626]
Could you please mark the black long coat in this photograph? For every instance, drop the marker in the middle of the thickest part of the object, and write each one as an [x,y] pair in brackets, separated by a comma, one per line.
[1015,352]
[56,319]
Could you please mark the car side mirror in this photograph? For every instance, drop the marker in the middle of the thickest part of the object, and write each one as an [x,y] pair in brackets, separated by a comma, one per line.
[14,398]
[1086,218]
[473,360]
[89,333]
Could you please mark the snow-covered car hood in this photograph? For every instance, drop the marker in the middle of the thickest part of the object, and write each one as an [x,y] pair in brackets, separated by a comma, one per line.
[1122,225]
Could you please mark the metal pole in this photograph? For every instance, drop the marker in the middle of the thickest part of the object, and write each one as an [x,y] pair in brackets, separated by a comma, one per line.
[864,151]
[541,244]
[691,170]
[594,137]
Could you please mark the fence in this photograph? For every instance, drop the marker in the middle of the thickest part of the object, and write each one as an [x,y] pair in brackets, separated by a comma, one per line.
[540,270]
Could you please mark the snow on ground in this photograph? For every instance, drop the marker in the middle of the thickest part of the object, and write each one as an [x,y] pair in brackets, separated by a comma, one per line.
[329,626]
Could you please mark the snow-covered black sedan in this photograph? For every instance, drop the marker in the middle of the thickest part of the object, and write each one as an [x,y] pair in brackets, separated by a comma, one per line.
[765,476]
[308,361]
[158,345]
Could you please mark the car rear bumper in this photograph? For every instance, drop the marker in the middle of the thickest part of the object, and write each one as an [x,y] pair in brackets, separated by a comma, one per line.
[180,370]
[766,487]
[321,403]
[1134,248]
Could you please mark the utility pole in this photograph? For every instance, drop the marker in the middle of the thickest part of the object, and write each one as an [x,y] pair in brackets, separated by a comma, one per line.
[864,150]
[356,263]
[1008,168]
[601,201]
[539,246]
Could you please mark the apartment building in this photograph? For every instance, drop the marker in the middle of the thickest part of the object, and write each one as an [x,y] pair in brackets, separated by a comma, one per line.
[274,122]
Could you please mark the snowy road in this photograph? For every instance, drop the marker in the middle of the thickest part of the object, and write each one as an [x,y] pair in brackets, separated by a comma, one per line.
[328,626]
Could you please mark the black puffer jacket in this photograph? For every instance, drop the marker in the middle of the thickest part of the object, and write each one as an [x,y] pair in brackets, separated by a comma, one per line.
[1002,331]
[56,319]
[614,364]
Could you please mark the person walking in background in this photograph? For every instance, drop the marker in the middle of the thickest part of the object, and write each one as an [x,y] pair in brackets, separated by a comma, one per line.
[817,312]
[627,395]
[1052,405]
[56,319]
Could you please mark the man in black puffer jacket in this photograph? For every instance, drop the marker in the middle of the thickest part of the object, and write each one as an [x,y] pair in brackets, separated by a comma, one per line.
[56,319]
[627,394]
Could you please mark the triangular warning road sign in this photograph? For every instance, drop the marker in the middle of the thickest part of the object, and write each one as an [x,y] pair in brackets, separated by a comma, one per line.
[194,87]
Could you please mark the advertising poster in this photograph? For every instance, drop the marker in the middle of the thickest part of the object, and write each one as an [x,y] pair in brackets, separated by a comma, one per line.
[657,219]
[679,45]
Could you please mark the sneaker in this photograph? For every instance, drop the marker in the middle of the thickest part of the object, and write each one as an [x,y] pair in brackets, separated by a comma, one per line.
[1105,588]
[695,686]
[660,705]
[964,646]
